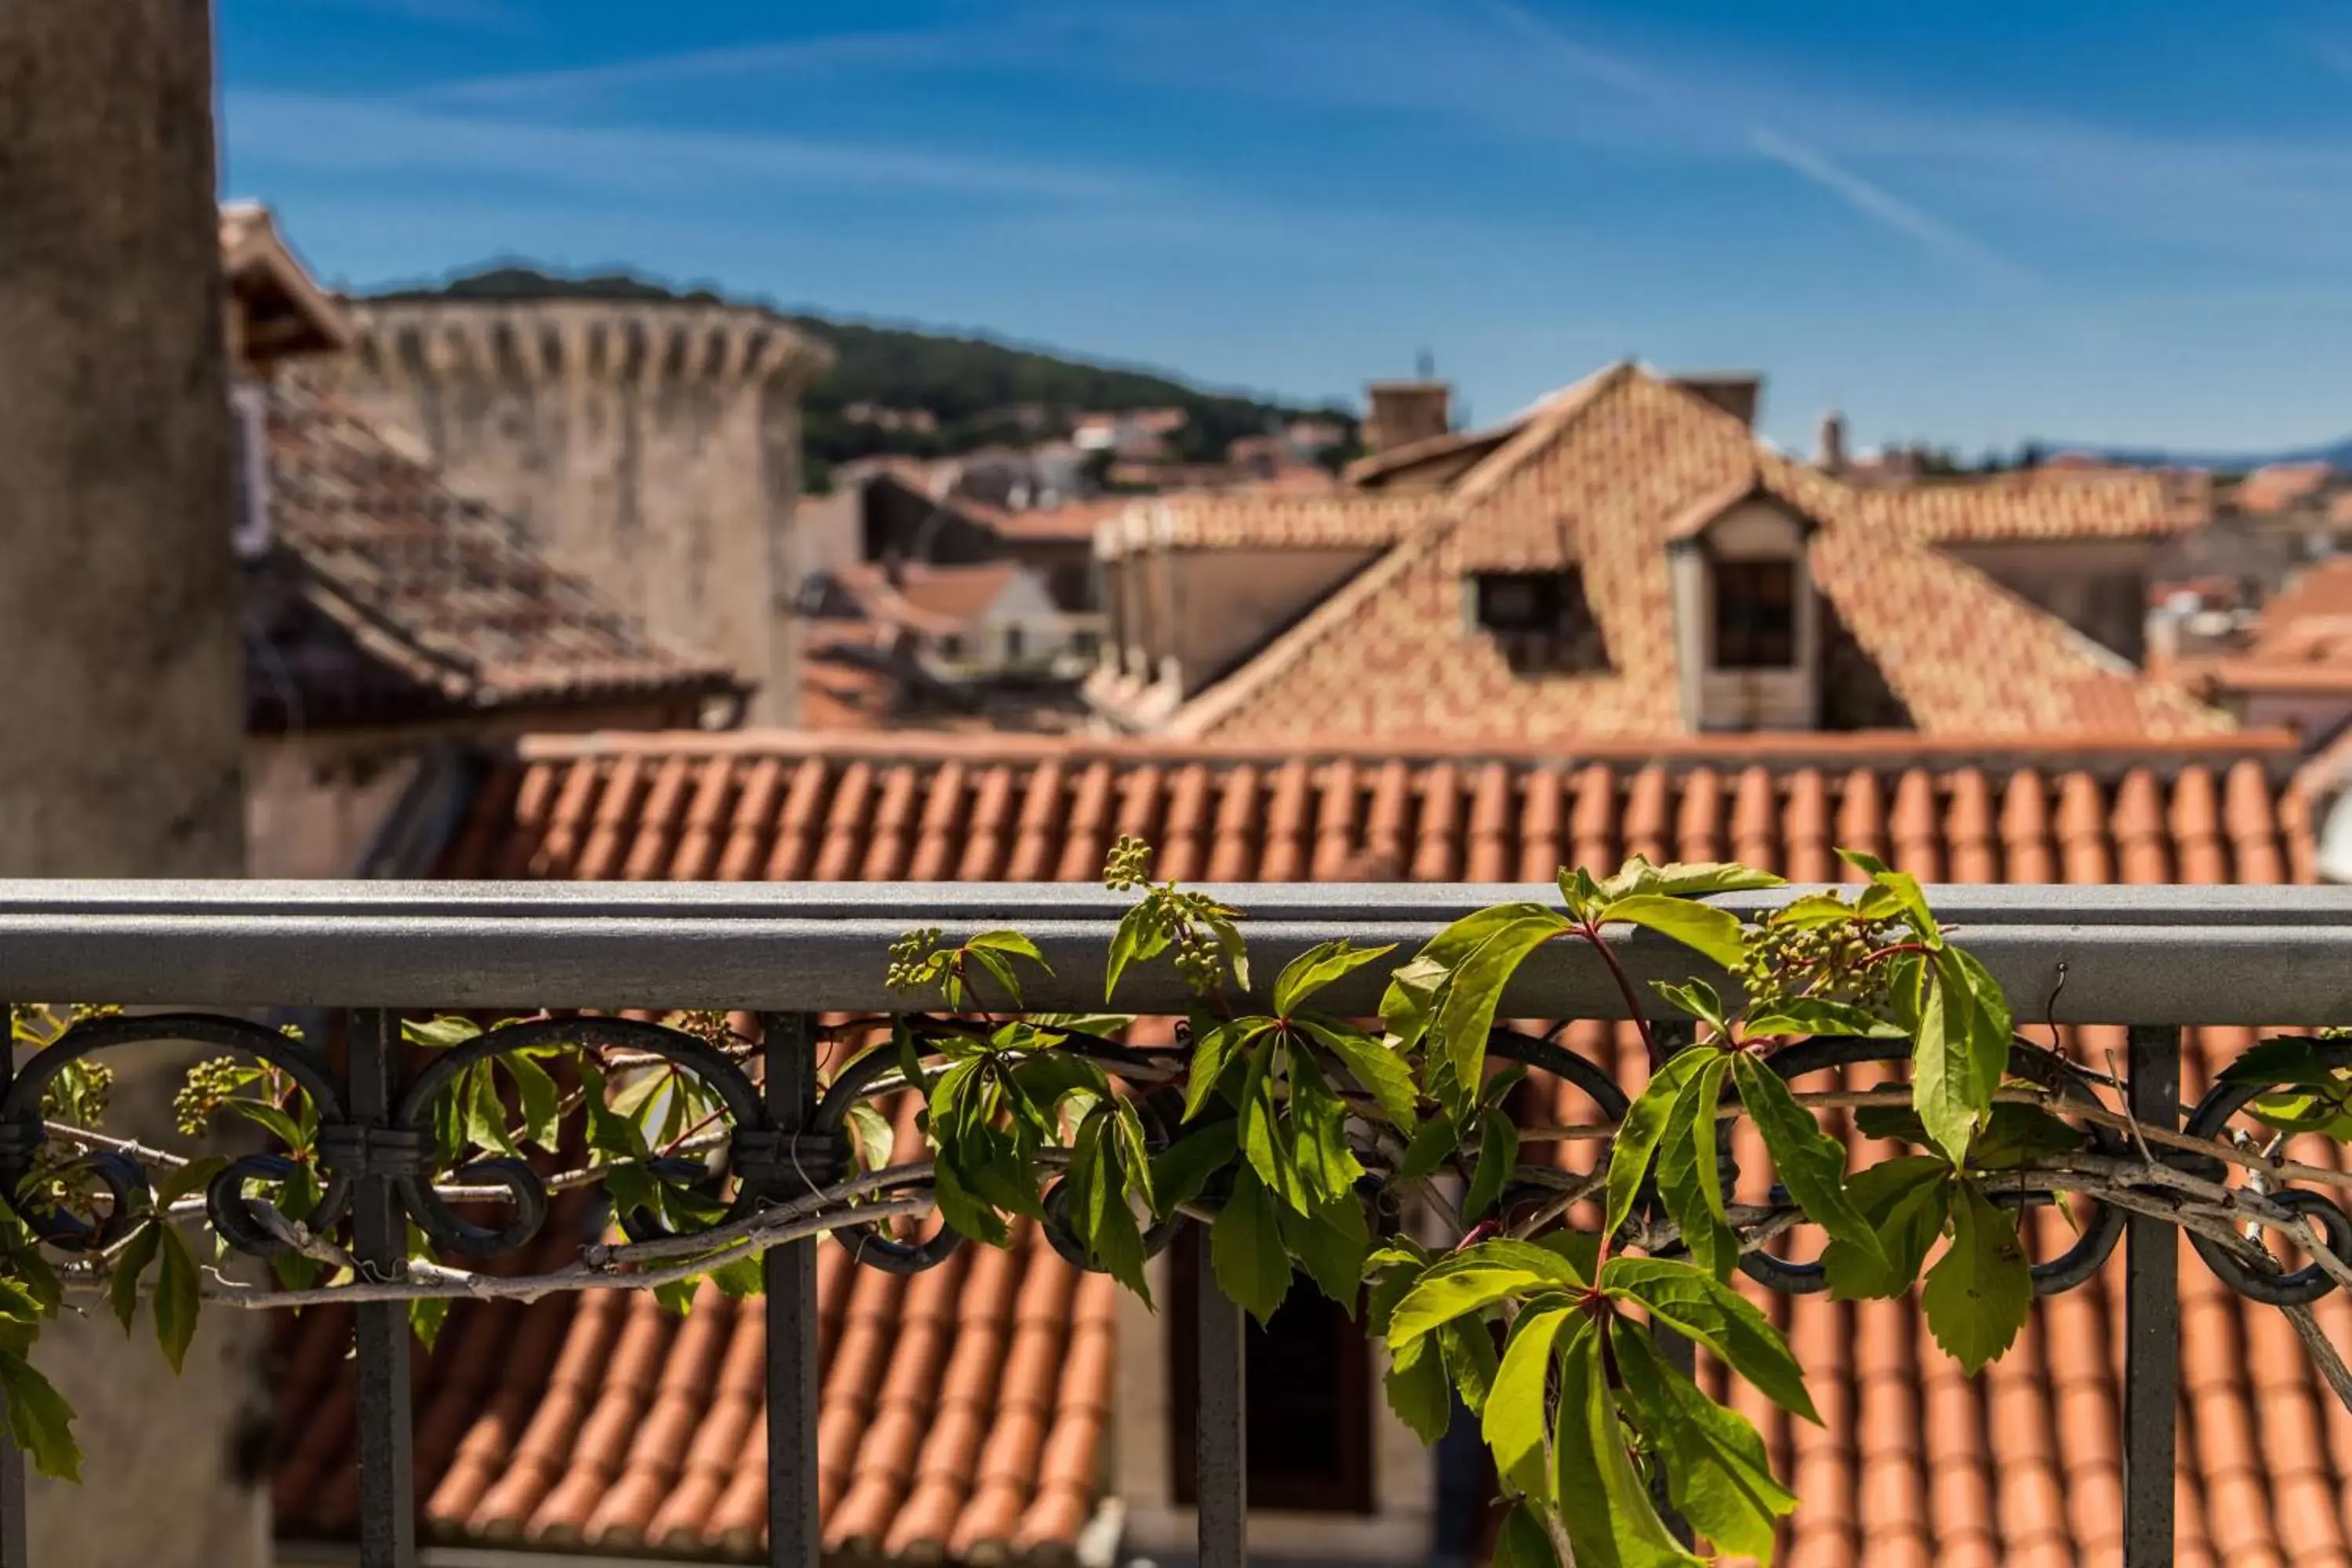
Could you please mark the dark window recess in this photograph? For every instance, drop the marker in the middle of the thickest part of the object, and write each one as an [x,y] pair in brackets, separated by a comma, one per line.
[1308,1396]
[1755,614]
[1540,620]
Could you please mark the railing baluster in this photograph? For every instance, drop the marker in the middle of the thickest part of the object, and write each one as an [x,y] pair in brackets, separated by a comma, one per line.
[380,1237]
[2151,1323]
[794,1537]
[1220,1439]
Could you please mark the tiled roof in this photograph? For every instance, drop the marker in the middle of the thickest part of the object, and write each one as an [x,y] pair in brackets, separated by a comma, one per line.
[1074,523]
[1597,478]
[2277,486]
[390,598]
[1266,519]
[2301,643]
[527,1415]
[2066,503]
[927,597]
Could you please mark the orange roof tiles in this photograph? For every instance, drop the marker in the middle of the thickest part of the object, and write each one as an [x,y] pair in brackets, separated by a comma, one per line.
[2303,641]
[2065,503]
[2276,487]
[1597,478]
[1263,518]
[966,1412]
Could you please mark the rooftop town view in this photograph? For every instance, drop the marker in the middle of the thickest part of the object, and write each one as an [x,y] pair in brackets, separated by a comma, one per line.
[632,635]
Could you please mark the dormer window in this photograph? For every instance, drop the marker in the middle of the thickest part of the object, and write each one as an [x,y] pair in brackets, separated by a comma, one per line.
[1540,620]
[1755,614]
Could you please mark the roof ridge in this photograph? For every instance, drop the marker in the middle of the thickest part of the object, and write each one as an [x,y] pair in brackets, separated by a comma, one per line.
[1900,748]
[1542,427]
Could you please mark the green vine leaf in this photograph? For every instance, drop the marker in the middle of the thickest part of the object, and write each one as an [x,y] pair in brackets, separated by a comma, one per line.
[1690,1182]
[1700,1307]
[1498,1155]
[1900,893]
[1810,1163]
[1590,1462]
[1417,1389]
[1520,1541]
[39,1419]
[1711,933]
[178,1286]
[1518,1411]
[426,1317]
[1330,1244]
[129,1267]
[1683,879]
[1718,1472]
[1181,1171]
[1906,1201]
[1474,1279]
[1383,1073]
[1643,1125]
[1318,967]
[1962,1047]
[1978,1294]
[1245,1248]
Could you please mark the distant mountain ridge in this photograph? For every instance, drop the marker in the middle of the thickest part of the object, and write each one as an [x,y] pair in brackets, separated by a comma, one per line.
[2337,454]
[976,387]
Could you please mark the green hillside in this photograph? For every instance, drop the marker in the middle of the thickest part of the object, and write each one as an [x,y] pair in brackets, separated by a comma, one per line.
[973,385]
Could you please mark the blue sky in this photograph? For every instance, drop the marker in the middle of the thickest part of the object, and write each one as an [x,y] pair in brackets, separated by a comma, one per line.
[2107,220]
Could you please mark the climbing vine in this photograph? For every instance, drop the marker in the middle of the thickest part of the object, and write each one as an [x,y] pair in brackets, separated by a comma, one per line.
[1374,1154]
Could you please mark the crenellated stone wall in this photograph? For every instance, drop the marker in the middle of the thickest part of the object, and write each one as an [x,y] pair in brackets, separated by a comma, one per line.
[651,446]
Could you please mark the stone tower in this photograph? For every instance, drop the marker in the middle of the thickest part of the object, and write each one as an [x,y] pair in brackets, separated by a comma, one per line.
[653,445]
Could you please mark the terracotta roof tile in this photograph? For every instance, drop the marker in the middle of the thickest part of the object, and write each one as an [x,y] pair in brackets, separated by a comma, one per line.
[965,1413]
[1264,519]
[1598,479]
[386,596]
[2064,503]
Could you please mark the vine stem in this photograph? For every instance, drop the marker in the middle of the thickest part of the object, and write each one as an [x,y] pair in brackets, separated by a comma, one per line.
[440,1283]
[1592,933]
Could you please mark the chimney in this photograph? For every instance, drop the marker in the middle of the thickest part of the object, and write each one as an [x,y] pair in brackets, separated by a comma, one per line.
[1735,392]
[1829,443]
[1405,412]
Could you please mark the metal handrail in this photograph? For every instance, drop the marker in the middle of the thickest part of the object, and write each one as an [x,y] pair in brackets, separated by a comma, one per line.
[2154,958]
[2173,955]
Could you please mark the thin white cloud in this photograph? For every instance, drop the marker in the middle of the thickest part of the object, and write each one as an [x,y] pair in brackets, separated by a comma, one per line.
[795,57]
[1875,202]
[356,135]
[1871,200]
[456,13]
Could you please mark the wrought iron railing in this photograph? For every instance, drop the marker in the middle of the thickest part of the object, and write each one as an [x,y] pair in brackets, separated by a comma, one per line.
[2154,959]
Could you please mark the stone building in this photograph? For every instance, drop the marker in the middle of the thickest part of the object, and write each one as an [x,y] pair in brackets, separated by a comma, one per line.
[391,623]
[651,446]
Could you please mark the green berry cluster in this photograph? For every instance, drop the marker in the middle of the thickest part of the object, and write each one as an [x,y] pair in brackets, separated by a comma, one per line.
[1829,962]
[708,1025]
[1129,864]
[79,1094]
[208,1085]
[913,960]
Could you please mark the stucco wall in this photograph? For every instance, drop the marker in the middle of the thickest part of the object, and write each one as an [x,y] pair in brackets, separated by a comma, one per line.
[312,813]
[1222,603]
[122,699]
[653,447]
[2098,586]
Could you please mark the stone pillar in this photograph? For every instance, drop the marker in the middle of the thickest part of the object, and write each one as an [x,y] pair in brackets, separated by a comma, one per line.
[120,709]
